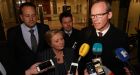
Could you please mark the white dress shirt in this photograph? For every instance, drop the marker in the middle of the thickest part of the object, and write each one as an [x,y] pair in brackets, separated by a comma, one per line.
[26,34]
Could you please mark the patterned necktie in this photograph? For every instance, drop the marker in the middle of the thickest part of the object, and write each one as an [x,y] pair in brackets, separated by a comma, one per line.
[100,34]
[33,40]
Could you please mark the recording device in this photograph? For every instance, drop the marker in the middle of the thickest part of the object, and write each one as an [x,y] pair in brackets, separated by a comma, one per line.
[73,68]
[97,49]
[98,66]
[45,65]
[84,49]
[122,55]
[82,52]
[90,68]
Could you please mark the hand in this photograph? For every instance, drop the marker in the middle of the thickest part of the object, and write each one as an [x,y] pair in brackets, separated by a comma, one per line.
[32,70]
[86,72]
[127,71]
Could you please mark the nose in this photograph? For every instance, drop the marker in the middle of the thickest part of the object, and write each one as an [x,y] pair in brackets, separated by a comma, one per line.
[31,18]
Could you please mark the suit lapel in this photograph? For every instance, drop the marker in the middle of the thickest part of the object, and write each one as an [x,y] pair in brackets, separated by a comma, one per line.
[40,37]
[22,39]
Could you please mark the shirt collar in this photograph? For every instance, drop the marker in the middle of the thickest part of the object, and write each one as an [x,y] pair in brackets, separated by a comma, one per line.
[104,31]
[27,28]
[68,32]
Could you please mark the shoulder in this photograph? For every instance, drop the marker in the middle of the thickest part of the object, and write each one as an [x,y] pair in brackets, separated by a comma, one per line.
[117,31]
[76,30]
[68,50]
[14,29]
[43,26]
[87,29]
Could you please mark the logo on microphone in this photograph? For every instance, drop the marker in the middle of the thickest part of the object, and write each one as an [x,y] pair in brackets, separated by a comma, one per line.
[97,48]
[122,54]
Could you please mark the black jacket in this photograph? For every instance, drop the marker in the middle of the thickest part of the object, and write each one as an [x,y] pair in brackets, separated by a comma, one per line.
[114,38]
[22,54]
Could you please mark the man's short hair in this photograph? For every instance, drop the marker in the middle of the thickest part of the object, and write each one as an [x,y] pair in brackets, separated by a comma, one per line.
[65,14]
[26,4]
[106,2]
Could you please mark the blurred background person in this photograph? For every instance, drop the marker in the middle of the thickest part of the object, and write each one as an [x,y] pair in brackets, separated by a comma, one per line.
[61,56]
[27,39]
[71,34]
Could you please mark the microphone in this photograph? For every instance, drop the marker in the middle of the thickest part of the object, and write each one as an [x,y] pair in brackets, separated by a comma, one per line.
[84,49]
[82,52]
[122,55]
[97,49]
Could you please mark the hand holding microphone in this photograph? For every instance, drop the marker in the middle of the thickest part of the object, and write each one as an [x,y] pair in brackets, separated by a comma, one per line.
[97,50]
[122,55]
[84,49]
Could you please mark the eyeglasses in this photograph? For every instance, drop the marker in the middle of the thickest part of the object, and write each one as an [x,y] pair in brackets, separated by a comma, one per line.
[98,15]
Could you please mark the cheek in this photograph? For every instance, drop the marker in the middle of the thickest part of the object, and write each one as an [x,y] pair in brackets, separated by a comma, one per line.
[35,18]
[103,21]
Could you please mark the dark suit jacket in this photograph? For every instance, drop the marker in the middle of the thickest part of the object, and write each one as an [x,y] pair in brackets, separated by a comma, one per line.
[70,40]
[114,38]
[60,69]
[24,56]
[74,37]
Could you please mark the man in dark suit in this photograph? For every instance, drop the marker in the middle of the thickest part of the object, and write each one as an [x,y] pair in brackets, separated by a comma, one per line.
[23,44]
[71,35]
[111,38]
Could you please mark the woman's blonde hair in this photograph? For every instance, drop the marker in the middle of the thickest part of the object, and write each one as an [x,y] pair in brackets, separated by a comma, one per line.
[49,34]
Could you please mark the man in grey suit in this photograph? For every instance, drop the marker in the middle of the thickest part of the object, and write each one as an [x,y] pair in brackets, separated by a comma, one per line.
[26,40]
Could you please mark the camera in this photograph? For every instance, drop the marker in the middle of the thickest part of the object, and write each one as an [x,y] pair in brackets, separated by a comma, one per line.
[90,68]
[45,65]
[98,66]
[73,68]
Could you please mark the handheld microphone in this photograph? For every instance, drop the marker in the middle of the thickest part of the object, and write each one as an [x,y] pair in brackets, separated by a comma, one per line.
[84,49]
[122,55]
[82,52]
[97,49]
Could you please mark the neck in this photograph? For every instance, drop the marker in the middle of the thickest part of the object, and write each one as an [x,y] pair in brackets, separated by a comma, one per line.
[57,51]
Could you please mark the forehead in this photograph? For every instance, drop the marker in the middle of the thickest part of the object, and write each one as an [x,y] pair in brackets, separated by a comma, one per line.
[28,9]
[98,8]
[66,19]
[56,35]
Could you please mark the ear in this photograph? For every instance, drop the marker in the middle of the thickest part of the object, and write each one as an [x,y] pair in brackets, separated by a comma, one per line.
[109,15]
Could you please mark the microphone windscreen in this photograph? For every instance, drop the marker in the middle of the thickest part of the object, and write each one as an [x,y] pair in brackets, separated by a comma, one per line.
[84,49]
[122,54]
[97,48]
